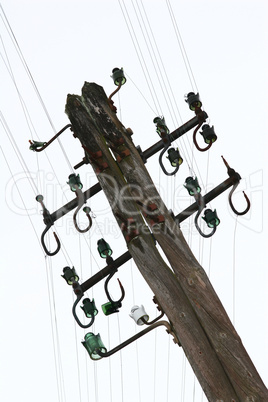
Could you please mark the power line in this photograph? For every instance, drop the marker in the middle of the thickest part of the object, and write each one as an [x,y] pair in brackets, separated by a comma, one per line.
[181,45]
[140,56]
[27,69]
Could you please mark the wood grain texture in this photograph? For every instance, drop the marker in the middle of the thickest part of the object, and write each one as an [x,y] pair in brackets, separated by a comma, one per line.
[207,336]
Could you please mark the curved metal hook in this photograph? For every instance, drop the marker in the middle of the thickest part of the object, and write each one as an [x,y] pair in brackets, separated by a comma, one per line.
[198,228]
[80,197]
[195,141]
[161,163]
[75,316]
[232,173]
[35,144]
[86,210]
[110,101]
[114,92]
[153,321]
[107,292]
[232,205]
[43,242]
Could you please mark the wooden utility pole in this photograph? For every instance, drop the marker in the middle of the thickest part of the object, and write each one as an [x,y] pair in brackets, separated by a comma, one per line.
[184,291]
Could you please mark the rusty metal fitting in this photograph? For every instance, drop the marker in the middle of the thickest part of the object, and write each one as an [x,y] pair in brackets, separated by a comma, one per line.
[122,155]
[129,229]
[95,158]
[154,217]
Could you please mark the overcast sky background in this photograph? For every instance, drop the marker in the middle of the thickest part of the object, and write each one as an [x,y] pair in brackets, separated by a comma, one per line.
[64,44]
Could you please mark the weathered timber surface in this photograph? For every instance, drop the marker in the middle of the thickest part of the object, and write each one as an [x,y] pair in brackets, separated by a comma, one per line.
[242,374]
[89,124]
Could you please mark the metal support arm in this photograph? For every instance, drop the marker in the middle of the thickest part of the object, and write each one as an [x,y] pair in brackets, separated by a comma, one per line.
[207,198]
[137,336]
[96,188]
[106,271]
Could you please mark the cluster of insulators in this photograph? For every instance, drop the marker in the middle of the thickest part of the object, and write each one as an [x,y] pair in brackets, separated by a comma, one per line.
[89,308]
[174,157]
[210,217]
[93,343]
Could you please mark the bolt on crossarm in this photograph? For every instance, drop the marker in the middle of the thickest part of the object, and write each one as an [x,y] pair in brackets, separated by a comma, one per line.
[96,188]
[222,346]
[89,127]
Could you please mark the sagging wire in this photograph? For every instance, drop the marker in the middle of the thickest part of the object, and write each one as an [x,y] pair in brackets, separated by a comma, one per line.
[135,326]
[158,66]
[140,56]
[23,203]
[183,378]
[110,363]
[20,157]
[150,54]
[154,64]
[182,47]
[234,270]
[130,79]
[77,359]
[155,362]
[23,104]
[121,360]
[24,107]
[58,365]
[185,150]
[163,87]
[18,153]
[62,149]
[200,175]
[25,65]
[22,162]
[55,332]
[92,296]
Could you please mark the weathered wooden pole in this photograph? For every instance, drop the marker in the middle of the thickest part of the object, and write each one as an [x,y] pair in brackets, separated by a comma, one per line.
[206,334]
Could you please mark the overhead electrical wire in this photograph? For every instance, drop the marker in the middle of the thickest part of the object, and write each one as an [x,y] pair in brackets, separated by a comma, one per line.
[56,352]
[234,270]
[152,55]
[25,110]
[24,63]
[58,362]
[164,77]
[18,153]
[25,169]
[23,104]
[154,59]
[121,359]
[182,47]
[187,68]
[77,358]
[140,56]
[193,84]
[143,60]
[55,325]
[141,93]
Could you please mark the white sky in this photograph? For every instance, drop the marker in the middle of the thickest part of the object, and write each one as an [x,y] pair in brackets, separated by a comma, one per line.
[64,44]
